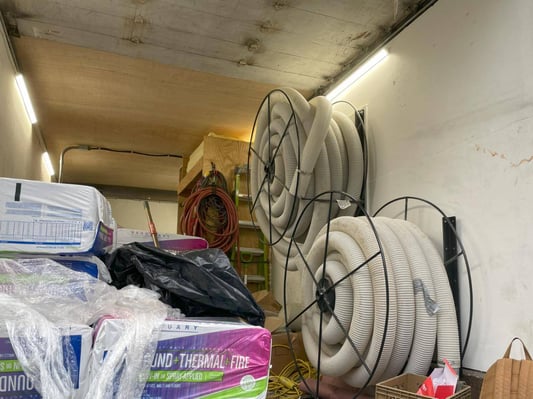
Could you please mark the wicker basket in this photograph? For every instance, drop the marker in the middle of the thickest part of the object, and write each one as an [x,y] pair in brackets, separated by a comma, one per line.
[405,386]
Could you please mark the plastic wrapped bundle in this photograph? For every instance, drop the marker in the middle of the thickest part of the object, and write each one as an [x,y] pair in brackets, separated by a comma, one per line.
[38,295]
[87,263]
[38,345]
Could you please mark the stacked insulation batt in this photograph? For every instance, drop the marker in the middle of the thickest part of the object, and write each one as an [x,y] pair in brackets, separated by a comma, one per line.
[42,217]
[167,241]
[76,341]
[46,316]
[197,358]
[87,263]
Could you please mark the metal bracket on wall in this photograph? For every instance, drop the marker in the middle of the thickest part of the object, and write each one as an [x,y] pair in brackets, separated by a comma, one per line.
[449,243]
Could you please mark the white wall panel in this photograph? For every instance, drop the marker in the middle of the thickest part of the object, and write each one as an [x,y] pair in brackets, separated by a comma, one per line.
[451,120]
[131,214]
[20,152]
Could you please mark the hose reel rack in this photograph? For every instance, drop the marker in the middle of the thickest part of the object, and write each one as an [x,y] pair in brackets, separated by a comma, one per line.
[308,167]
[298,149]
[337,339]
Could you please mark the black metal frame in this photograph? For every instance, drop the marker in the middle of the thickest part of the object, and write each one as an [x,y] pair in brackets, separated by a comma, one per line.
[323,294]
[450,241]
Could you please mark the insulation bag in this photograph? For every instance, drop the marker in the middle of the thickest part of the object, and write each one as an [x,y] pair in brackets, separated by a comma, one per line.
[38,295]
[87,263]
[200,283]
[172,242]
[42,217]
[15,383]
[197,358]
[92,265]
[509,378]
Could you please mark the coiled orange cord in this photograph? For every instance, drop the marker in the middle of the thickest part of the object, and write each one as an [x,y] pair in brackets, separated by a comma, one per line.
[210,212]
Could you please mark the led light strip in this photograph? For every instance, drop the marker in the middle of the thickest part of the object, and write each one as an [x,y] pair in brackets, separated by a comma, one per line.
[23,90]
[357,74]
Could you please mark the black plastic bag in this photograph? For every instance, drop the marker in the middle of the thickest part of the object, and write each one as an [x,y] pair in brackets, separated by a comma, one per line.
[200,283]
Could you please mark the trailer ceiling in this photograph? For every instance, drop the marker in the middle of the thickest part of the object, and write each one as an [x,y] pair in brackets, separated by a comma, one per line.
[156,76]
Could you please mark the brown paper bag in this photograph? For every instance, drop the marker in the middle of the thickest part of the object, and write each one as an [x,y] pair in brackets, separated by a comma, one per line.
[509,378]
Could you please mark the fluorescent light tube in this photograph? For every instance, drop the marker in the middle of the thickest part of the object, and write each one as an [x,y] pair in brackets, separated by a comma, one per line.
[48,163]
[357,74]
[23,90]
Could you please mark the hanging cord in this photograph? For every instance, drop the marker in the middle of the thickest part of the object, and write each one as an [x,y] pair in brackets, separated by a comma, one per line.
[210,212]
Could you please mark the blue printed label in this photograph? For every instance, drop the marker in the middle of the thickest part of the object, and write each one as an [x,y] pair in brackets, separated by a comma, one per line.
[15,384]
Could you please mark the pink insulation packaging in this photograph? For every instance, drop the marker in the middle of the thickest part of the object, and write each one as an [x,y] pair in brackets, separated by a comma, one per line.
[199,358]
[173,242]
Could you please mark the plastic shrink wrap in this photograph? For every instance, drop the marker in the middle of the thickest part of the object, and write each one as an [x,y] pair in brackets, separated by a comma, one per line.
[43,302]
[87,263]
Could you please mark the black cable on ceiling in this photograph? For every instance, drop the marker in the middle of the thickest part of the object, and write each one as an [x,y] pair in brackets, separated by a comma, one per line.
[148,154]
[98,148]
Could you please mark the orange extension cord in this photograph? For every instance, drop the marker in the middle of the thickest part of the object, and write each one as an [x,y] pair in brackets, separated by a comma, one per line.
[209,212]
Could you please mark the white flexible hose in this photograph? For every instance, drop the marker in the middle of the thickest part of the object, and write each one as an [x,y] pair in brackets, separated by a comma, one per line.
[448,343]
[355,315]
[425,328]
[401,275]
[389,335]
[327,145]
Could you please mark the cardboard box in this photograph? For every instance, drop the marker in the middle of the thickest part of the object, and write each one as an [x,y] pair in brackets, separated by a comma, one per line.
[405,386]
[281,350]
[199,358]
[40,217]
[271,308]
[15,384]
[265,299]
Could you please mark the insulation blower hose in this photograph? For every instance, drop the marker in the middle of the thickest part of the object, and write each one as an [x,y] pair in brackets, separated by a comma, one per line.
[300,148]
[384,319]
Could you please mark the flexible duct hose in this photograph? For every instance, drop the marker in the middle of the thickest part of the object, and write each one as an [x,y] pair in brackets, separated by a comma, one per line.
[299,149]
[376,327]
[425,328]
[447,337]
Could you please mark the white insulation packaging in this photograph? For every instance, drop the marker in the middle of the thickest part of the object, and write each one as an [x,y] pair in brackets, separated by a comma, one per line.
[42,217]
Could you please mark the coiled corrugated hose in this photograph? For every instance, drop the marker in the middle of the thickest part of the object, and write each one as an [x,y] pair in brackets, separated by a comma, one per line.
[299,149]
[377,330]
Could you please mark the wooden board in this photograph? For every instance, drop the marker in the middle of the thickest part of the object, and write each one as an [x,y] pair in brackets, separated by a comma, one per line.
[226,154]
